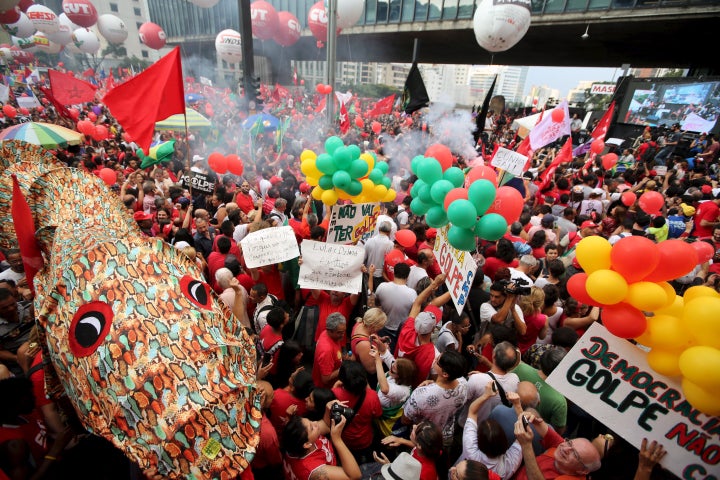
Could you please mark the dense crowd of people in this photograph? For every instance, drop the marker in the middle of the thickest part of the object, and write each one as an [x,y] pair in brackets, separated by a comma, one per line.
[388,382]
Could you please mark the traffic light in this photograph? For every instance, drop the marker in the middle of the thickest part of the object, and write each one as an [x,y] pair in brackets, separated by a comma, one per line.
[255,97]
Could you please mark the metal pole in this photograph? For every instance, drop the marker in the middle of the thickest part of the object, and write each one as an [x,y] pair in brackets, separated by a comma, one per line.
[416,45]
[247,48]
[331,59]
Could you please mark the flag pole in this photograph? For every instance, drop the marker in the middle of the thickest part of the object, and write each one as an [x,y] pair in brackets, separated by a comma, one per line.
[331,58]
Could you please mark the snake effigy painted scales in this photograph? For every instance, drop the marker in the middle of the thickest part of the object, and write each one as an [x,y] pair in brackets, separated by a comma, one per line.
[140,345]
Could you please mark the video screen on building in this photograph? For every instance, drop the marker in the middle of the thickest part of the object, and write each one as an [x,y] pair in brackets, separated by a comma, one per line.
[662,102]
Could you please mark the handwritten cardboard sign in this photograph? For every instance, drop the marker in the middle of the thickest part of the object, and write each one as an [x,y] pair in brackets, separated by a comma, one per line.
[458,266]
[269,246]
[351,223]
[611,379]
[330,266]
[511,162]
[198,181]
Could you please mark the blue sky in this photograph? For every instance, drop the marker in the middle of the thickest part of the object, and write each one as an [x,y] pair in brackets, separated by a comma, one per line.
[565,78]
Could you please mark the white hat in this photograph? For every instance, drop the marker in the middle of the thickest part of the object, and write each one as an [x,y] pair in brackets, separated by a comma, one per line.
[198,158]
[404,467]
[181,244]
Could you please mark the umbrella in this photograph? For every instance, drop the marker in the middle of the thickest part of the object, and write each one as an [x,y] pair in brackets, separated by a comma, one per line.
[177,122]
[46,135]
[193,97]
[268,121]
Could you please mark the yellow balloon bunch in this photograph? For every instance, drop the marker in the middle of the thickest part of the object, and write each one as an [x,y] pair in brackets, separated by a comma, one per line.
[347,174]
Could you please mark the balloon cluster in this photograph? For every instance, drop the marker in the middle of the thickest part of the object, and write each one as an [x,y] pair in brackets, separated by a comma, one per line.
[96,132]
[222,164]
[439,194]
[343,172]
[323,89]
[629,280]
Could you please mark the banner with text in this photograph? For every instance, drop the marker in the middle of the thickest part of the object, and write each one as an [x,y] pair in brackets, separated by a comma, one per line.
[269,246]
[458,266]
[199,182]
[511,162]
[611,379]
[352,223]
[327,266]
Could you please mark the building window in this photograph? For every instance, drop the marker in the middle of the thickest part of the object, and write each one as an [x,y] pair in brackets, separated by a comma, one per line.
[137,12]
[145,54]
[113,7]
[138,25]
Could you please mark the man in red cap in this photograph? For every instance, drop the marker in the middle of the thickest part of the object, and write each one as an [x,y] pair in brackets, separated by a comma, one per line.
[403,239]
[706,215]
[145,223]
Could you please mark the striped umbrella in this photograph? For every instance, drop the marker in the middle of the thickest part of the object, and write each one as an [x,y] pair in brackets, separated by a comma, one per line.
[177,122]
[46,135]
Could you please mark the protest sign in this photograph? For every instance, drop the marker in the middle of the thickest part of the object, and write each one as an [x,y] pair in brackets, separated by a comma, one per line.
[327,266]
[269,245]
[458,266]
[199,182]
[352,223]
[511,162]
[611,379]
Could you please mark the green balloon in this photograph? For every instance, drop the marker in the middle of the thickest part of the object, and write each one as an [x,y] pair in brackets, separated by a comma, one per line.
[355,188]
[491,226]
[430,170]
[342,158]
[455,176]
[325,164]
[354,151]
[424,195]
[382,166]
[326,182]
[332,144]
[416,188]
[341,179]
[387,182]
[436,217]
[415,163]
[358,169]
[462,213]
[439,190]
[376,176]
[462,238]
[419,207]
[482,194]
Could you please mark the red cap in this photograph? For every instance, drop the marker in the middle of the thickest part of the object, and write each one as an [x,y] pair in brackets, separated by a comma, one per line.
[431,233]
[275,180]
[706,189]
[140,216]
[305,187]
[406,238]
[589,224]
[435,311]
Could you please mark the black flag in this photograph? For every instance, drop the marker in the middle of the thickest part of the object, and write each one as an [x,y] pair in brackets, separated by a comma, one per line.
[480,119]
[414,96]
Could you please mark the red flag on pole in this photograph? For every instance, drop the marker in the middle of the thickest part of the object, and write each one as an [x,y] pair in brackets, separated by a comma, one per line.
[59,107]
[344,119]
[88,73]
[69,90]
[383,107]
[564,155]
[321,105]
[295,77]
[149,97]
[604,123]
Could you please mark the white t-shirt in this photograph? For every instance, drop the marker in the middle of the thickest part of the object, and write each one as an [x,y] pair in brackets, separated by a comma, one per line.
[476,387]
[487,311]
[434,403]
[10,274]
[445,338]
[396,301]
[393,226]
[397,394]
[416,274]
[505,465]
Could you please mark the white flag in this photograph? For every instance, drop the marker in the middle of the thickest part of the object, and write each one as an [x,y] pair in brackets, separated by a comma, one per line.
[4,93]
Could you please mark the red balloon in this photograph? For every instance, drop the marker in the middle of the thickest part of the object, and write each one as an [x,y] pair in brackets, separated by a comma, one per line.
[80,12]
[359,122]
[74,113]
[535,101]
[534,110]
[704,250]
[597,146]
[234,164]
[628,198]
[441,153]
[609,160]
[406,238]
[481,172]
[209,110]
[376,127]
[634,257]
[126,136]
[218,163]
[318,21]
[10,16]
[320,88]
[100,133]
[85,127]
[24,111]
[623,320]
[557,115]
[327,89]
[92,117]
[264,19]
[152,35]
[108,176]
[288,30]
[9,111]
[508,203]
[677,258]
[25,4]
[651,202]
[576,289]
[455,194]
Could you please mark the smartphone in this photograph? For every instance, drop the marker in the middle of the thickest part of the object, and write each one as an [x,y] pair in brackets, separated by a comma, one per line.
[525,422]
[494,388]
[267,358]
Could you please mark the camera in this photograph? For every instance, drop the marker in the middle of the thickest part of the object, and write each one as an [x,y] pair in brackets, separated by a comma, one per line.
[518,286]
[337,411]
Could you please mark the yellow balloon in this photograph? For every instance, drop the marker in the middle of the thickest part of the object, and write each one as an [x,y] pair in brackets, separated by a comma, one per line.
[329,197]
[380,191]
[389,196]
[704,400]
[593,254]
[367,185]
[317,193]
[675,309]
[664,362]
[312,181]
[668,333]
[701,317]
[701,365]
[309,168]
[342,194]
[699,291]
[646,338]
[357,199]
[606,286]
[646,296]
[308,155]
[669,293]
[369,159]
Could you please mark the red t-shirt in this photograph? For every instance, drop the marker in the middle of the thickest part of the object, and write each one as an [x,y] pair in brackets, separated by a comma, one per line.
[392,258]
[328,358]
[546,460]
[32,430]
[534,324]
[278,408]
[268,450]
[300,468]
[326,307]
[215,262]
[245,202]
[358,434]
[270,276]
[706,211]
[493,264]
[38,380]
[422,355]
[428,470]
[268,339]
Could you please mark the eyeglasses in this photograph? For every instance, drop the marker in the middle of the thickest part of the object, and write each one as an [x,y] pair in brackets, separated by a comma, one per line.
[576,454]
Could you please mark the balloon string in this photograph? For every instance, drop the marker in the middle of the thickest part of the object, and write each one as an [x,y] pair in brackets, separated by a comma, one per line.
[492,59]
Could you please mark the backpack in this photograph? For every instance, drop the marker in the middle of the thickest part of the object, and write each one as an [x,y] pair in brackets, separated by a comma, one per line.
[305,327]
[264,357]
[273,303]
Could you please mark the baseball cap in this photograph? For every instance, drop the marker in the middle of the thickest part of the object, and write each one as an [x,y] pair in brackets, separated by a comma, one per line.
[431,233]
[424,323]
[181,244]
[577,189]
[140,216]
[198,158]
[305,187]
[706,189]
[688,210]
[615,196]
[589,224]
[597,191]
[184,201]
[548,219]
[406,238]
[274,180]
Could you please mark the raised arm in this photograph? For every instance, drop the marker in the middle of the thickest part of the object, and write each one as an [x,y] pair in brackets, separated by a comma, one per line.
[422,297]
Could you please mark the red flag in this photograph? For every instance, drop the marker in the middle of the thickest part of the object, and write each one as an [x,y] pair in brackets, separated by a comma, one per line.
[602,126]
[564,155]
[110,82]
[59,107]
[149,97]
[321,105]
[88,73]
[344,119]
[295,77]
[25,231]
[383,107]
[69,90]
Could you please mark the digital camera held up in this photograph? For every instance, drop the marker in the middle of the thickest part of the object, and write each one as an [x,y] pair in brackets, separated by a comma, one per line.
[518,286]
[337,411]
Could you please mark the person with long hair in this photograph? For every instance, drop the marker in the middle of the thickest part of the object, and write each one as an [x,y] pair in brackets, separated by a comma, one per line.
[472,470]
[360,342]
[393,388]
[426,442]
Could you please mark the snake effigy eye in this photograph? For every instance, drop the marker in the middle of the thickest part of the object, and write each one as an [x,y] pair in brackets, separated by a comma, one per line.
[89,327]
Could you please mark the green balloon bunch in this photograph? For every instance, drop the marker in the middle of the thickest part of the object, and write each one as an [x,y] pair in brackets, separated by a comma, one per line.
[431,188]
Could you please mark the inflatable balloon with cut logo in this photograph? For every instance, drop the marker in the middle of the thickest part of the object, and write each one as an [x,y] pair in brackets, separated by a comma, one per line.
[498,26]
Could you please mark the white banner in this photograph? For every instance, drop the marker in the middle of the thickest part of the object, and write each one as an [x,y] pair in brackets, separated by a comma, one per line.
[695,123]
[511,162]
[612,381]
[458,266]
[352,223]
[548,130]
[28,102]
[269,246]
[328,266]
